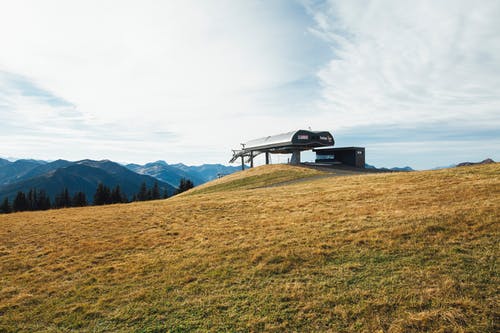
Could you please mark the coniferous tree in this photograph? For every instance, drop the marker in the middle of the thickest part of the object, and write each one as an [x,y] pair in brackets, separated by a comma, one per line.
[79,200]
[108,195]
[165,194]
[32,200]
[184,185]
[99,195]
[66,198]
[117,196]
[189,184]
[143,192]
[58,201]
[102,195]
[5,206]
[42,200]
[63,199]
[155,192]
[20,203]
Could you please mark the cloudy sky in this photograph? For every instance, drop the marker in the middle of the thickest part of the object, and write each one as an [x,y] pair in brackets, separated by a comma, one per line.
[415,82]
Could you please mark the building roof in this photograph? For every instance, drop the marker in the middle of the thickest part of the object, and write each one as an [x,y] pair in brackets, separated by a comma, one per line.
[324,149]
[270,141]
[285,143]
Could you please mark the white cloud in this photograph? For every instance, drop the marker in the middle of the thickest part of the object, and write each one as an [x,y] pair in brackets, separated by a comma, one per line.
[410,62]
[196,69]
[188,80]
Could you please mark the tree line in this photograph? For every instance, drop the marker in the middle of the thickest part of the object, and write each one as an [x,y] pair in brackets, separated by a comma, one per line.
[39,200]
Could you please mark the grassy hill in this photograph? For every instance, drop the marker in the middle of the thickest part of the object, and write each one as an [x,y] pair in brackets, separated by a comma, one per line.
[398,252]
[266,176]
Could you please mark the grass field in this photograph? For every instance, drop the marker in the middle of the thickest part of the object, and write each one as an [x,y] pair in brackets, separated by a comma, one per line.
[257,178]
[398,252]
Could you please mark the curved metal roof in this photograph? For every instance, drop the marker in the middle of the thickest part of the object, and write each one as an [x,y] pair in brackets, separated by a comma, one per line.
[285,143]
[269,141]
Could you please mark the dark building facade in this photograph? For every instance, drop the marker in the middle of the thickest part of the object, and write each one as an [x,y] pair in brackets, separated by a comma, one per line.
[351,156]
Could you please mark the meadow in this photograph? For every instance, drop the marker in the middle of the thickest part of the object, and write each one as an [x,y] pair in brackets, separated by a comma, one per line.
[392,252]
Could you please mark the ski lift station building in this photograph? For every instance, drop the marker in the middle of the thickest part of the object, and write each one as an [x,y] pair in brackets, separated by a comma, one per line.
[287,143]
[291,143]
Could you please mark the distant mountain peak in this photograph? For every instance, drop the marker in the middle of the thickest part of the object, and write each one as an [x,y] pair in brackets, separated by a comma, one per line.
[486,161]
[159,163]
[4,162]
[173,173]
[86,173]
[406,168]
[30,160]
[82,175]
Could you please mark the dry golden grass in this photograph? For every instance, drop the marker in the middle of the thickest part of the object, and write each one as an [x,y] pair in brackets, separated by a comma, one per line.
[257,177]
[401,252]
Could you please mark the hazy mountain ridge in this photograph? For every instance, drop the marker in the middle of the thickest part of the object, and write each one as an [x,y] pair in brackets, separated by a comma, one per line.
[164,172]
[13,171]
[405,168]
[208,171]
[172,173]
[44,168]
[486,161]
[81,176]
[408,168]
[84,175]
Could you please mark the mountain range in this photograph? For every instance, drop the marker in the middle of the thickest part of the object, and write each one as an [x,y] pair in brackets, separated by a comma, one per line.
[85,175]
[14,171]
[486,161]
[80,176]
[172,173]
[406,168]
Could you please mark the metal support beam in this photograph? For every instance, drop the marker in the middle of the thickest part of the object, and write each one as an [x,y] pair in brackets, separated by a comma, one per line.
[267,157]
[251,159]
[242,162]
[295,157]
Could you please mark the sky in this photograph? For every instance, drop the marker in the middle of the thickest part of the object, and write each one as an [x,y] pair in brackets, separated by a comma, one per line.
[415,82]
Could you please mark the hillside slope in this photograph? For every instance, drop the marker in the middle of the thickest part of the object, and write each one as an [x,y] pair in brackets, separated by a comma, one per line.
[81,176]
[257,178]
[398,252]
[13,171]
